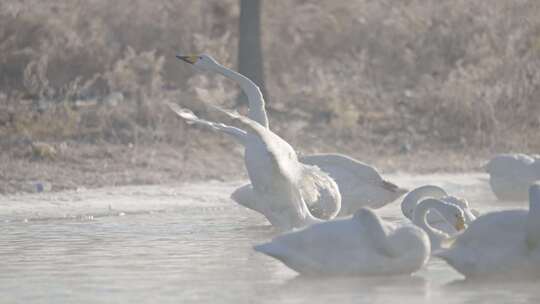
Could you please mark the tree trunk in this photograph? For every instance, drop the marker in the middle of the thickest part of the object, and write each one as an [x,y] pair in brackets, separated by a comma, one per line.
[250,61]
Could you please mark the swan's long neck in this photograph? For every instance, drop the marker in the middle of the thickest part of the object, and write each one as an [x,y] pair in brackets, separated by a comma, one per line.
[420,219]
[533,219]
[375,230]
[256,101]
[412,198]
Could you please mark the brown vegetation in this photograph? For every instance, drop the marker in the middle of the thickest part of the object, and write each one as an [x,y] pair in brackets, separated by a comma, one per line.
[385,81]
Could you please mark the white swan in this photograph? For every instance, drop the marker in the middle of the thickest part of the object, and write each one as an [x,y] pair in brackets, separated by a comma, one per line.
[499,245]
[256,109]
[360,185]
[363,244]
[281,183]
[443,222]
[510,175]
[373,191]
[450,212]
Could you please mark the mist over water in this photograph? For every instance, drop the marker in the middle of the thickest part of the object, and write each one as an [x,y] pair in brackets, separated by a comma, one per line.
[165,244]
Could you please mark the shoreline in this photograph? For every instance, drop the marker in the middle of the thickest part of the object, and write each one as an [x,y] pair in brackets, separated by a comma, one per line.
[76,165]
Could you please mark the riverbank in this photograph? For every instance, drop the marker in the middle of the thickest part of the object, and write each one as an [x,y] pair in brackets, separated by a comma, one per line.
[71,165]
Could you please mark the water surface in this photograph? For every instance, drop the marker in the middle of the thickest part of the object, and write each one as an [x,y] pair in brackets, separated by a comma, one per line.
[192,244]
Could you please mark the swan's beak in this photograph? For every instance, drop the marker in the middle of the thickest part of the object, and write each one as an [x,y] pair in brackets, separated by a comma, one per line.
[189,59]
[460,223]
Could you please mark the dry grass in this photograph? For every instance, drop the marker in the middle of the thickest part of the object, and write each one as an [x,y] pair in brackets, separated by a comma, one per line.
[375,79]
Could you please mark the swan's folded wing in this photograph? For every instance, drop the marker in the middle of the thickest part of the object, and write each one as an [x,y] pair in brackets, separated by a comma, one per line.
[321,241]
[342,167]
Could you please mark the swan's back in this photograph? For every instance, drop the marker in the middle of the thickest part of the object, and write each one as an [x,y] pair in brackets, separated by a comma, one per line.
[352,246]
[341,167]
[500,245]
[511,175]
[495,229]
[493,246]
[319,248]
[360,185]
[509,164]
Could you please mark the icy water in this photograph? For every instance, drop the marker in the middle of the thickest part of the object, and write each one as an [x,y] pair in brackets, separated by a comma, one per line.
[192,244]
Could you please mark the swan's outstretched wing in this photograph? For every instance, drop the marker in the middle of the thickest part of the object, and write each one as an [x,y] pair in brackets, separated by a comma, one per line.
[360,185]
[191,118]
[287,207]
[280,151]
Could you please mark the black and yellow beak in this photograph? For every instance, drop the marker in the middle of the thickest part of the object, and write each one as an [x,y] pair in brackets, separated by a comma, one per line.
[189,59]
[460,223]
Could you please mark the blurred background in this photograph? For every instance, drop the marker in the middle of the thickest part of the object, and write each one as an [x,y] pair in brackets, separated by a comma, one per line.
[413,85]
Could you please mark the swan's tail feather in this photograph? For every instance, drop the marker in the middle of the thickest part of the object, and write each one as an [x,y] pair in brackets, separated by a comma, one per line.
[191,118]
[270,249]
[393,187]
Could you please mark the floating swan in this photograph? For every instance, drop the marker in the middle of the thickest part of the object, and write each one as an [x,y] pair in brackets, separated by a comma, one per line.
[280,182]
[444,222]
[510,175]
[501,245]
[360,185]
[362,244]
[450,212]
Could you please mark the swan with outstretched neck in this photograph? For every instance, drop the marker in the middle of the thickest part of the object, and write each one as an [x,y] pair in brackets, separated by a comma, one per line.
[256,111]
[499,245]
[279,180]
[362,245]
[318,189]
[360,185]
